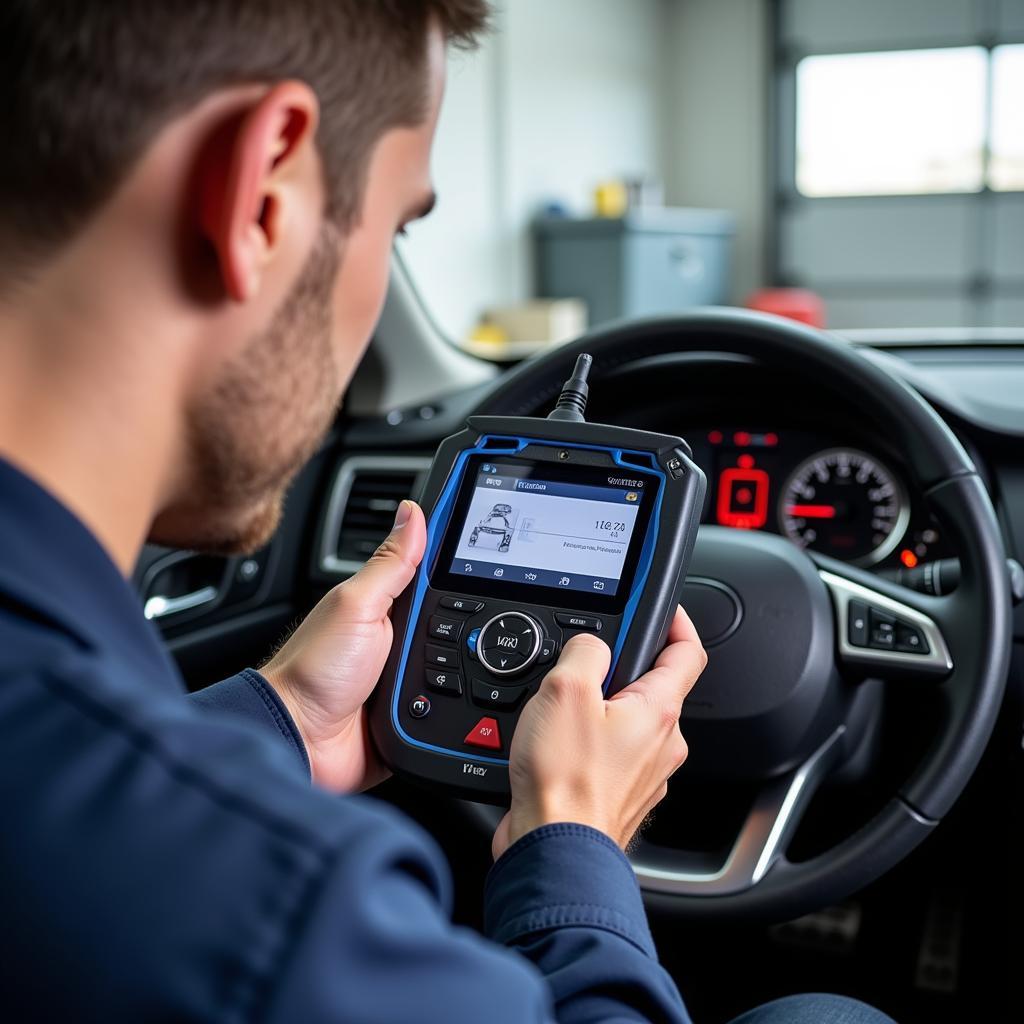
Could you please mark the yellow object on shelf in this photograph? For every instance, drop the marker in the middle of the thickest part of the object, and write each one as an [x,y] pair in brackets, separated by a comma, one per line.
[489,333]
[611,199]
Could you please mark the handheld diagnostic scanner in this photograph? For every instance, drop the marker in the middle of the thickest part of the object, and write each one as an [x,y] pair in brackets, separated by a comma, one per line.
[537,529]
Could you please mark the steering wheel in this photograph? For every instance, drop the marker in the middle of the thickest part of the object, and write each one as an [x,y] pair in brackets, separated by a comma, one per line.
[781,704]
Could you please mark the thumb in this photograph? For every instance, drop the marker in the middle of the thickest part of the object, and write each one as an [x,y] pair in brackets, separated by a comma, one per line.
[392,566]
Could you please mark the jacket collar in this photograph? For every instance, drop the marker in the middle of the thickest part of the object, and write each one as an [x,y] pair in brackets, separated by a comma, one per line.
[52,565]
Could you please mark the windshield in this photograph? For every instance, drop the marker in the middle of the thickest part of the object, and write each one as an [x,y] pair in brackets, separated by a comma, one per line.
[855,166]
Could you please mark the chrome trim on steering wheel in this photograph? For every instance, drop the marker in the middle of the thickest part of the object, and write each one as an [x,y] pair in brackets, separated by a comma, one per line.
[769,826]
[843,591]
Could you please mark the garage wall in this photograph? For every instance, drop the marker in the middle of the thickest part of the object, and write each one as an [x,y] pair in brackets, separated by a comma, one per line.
[565,94]
[715,119]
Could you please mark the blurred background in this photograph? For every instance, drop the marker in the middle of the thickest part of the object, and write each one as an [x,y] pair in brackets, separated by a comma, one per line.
[855,165]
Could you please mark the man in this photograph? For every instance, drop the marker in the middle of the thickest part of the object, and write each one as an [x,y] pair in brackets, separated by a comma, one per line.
[198,206]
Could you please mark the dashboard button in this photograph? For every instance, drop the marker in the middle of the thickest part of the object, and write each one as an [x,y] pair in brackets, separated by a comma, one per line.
[445,629]
[572,621]
[858,623]
[484,734]
[474,635]
[419,707]
[910,640]
[881,630]
[445,656]
[461,604]
[503,697]
[444,682]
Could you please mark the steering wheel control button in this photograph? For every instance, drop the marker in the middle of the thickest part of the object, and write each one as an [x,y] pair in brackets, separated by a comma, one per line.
[858,624]
[504,698]
[572,621]
[444,682]
[484,734]
[509,643]
[419,707]
[910,640]
[445,656]
[461,604]
[548,649]
[881,631]
[445,629]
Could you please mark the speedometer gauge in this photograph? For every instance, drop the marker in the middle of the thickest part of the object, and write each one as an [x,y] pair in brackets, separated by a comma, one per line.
[846,504]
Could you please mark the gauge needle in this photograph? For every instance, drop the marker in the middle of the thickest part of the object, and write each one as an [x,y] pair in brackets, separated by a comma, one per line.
[812,511]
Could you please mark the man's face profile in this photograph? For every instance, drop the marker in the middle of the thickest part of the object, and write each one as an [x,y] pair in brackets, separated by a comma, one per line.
[252,427]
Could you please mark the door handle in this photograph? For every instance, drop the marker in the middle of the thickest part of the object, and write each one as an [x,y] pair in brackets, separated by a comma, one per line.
[183,581]
[158,606]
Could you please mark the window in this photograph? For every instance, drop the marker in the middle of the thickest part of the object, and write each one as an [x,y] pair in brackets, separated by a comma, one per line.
[899,163]
[907,122]
[1006,167]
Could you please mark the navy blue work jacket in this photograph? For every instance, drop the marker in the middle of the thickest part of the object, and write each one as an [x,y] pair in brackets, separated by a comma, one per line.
[165,858]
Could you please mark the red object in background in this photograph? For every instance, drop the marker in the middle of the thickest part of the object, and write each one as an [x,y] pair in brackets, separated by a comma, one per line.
[741,438]
[908,558]
[771,440]
[715,437]
[745,462]
[743,498]
[793,303]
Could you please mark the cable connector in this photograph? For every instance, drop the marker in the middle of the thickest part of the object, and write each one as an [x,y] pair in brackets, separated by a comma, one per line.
[572,402]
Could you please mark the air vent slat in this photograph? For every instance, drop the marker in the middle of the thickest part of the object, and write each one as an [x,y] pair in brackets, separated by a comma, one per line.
[373,497]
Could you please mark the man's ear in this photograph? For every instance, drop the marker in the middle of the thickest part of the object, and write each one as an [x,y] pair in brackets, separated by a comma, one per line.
[260,166]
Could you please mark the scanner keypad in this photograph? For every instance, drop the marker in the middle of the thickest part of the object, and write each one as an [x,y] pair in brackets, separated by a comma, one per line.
[458,640]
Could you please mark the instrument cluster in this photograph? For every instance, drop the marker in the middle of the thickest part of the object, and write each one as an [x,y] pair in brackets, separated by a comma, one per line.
[834,498]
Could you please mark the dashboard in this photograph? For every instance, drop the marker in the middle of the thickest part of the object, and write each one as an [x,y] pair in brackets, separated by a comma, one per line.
[819,489]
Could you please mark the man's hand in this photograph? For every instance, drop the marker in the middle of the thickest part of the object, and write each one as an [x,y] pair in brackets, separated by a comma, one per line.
[578,757]
[331,663]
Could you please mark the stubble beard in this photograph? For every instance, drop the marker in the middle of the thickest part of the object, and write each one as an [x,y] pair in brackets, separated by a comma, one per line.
[257,426]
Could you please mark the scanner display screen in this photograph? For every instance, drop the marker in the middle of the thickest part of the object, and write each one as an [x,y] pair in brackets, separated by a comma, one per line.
[534,525]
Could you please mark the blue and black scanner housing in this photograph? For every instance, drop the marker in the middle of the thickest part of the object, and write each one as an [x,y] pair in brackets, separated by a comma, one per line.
[537,529]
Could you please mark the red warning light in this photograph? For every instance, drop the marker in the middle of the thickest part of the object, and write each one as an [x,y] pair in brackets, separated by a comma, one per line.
[908,558]
[770,440]
[741,438]
[745,461]
[715,437]
[743,498]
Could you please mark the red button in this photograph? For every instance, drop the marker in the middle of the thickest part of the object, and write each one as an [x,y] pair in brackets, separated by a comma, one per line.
[484,734]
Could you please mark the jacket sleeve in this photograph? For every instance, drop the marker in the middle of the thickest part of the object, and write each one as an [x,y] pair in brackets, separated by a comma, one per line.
[248,696]
[376,944]
[565,897]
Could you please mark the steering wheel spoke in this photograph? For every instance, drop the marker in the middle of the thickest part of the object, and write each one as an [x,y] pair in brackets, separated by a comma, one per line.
[761,842]
[885,635]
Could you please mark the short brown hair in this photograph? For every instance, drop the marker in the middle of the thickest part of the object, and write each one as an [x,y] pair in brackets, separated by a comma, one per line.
[87,84]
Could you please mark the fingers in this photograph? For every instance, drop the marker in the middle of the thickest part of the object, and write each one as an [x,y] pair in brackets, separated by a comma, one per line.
[581,668]
[676,669]
[392,566]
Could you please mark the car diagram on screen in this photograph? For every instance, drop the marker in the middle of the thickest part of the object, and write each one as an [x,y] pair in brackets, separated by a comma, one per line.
[498,525]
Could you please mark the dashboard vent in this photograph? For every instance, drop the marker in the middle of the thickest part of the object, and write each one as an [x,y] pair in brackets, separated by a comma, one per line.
[366,493]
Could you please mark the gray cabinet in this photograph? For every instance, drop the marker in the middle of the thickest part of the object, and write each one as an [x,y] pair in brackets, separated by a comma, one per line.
[655,261]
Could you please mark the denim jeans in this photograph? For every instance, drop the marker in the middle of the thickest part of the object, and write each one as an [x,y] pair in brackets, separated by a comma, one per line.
[814,1009]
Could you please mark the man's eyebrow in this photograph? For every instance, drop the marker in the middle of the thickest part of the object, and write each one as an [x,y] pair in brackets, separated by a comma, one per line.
[423,209]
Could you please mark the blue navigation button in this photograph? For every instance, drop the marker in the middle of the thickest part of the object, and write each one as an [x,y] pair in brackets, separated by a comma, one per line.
[471,641]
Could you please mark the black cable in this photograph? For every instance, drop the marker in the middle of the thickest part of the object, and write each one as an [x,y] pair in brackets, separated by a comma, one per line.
[572,402]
